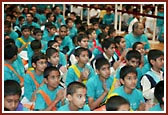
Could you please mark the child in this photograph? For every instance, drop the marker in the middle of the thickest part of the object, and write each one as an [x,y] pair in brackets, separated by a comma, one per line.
[34,78]
[109,54]
[53,60]
[51,33]
[128,79]
[55,44]
[12,94]
[10,56]
[117,103]
[50,96]
[80,71]
[133,58]
[94,46]
[101,84]
[153,76]
[159,95]
[82,41]
[76,95]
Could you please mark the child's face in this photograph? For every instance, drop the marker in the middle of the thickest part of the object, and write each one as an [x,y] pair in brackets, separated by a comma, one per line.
[96,26]
[40,65]
[53,80]
[159,62]
[133,62]
[59,40]
[70,23]
[84,43]
[130,81]
[26,33]
[54,59]
[122,44]
[11,102]
[84,57]
[124,107]
[104,71]
[93,35]
[110,51]
[56,46]
[140,48]
[78,99]
[38,36]
[63,32]
[52,31]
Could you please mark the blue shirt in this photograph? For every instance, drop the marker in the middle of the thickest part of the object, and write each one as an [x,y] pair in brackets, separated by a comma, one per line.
[66,108]
[108,19]
[135,98]
[95,87]
[130,39]
[40,103]
[156,108]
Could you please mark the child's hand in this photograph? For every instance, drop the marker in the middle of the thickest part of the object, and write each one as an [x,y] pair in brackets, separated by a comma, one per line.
[60,95]
[84,74]
[142,106]
[117,84]
[63,69]
[105,87]
[116,64]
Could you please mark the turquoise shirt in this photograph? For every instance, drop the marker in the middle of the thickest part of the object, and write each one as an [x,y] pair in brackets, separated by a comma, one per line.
[67,41]
[156,108]
[66,108]
[134,98]
[160,22]
[71,75]
[47,38]
[60,17]
[72,32]
[95,87]
[29,85]
[130,39]
[13,35]
[19,44]
[108,19]
[36,25]
[40,103]
[62,59]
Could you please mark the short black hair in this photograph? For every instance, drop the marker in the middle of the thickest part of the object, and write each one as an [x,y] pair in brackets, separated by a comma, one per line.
[79,50]
[159,91]
[73,86]
[25,27]
[126,70]
[48,69]
[12,87]
[114,102]
[100,62]
[50,51]
[38,56]
[10,50]
[35,44]
[135,45]
[133,54]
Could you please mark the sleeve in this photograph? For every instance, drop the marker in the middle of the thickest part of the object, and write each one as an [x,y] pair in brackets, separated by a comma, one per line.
[90,89]
[70,76]
[40,102]
[147,91]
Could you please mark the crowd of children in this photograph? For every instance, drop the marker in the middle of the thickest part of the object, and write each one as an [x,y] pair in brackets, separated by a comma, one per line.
[57,63]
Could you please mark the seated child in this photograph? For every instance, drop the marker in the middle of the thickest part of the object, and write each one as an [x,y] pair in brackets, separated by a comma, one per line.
[12,94]
[76,95]
[50,96]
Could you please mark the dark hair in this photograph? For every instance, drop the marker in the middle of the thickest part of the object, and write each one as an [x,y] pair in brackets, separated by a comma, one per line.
[81,36]
[73,86]
[107,43]
[89,31]
[133,54]
[7,24]
[38,56]
[135,45]
[12,87]
[48,69]
[101,37]
[25,27]
[50,51]
[100,62]
[117,39]
[68,19]
[20,18]
[159,91]
[114,102]
[126,70]
[9,41]
[37,30]
[35,45]
[10,50]
[153,54]
[79,50]
[50,43]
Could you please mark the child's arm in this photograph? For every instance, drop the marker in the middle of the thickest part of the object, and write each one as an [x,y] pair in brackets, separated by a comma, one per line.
[93,104]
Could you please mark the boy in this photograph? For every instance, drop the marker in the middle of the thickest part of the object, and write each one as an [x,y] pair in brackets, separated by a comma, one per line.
[34,78]
[133,58]
[109,54]
[100,85]
[12,94]
[10,56]
[159,95]
[51,33]
[50,96]
[76,95]
[93,44]
[154,75]
[128,79]
[117,103]
[80,71]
